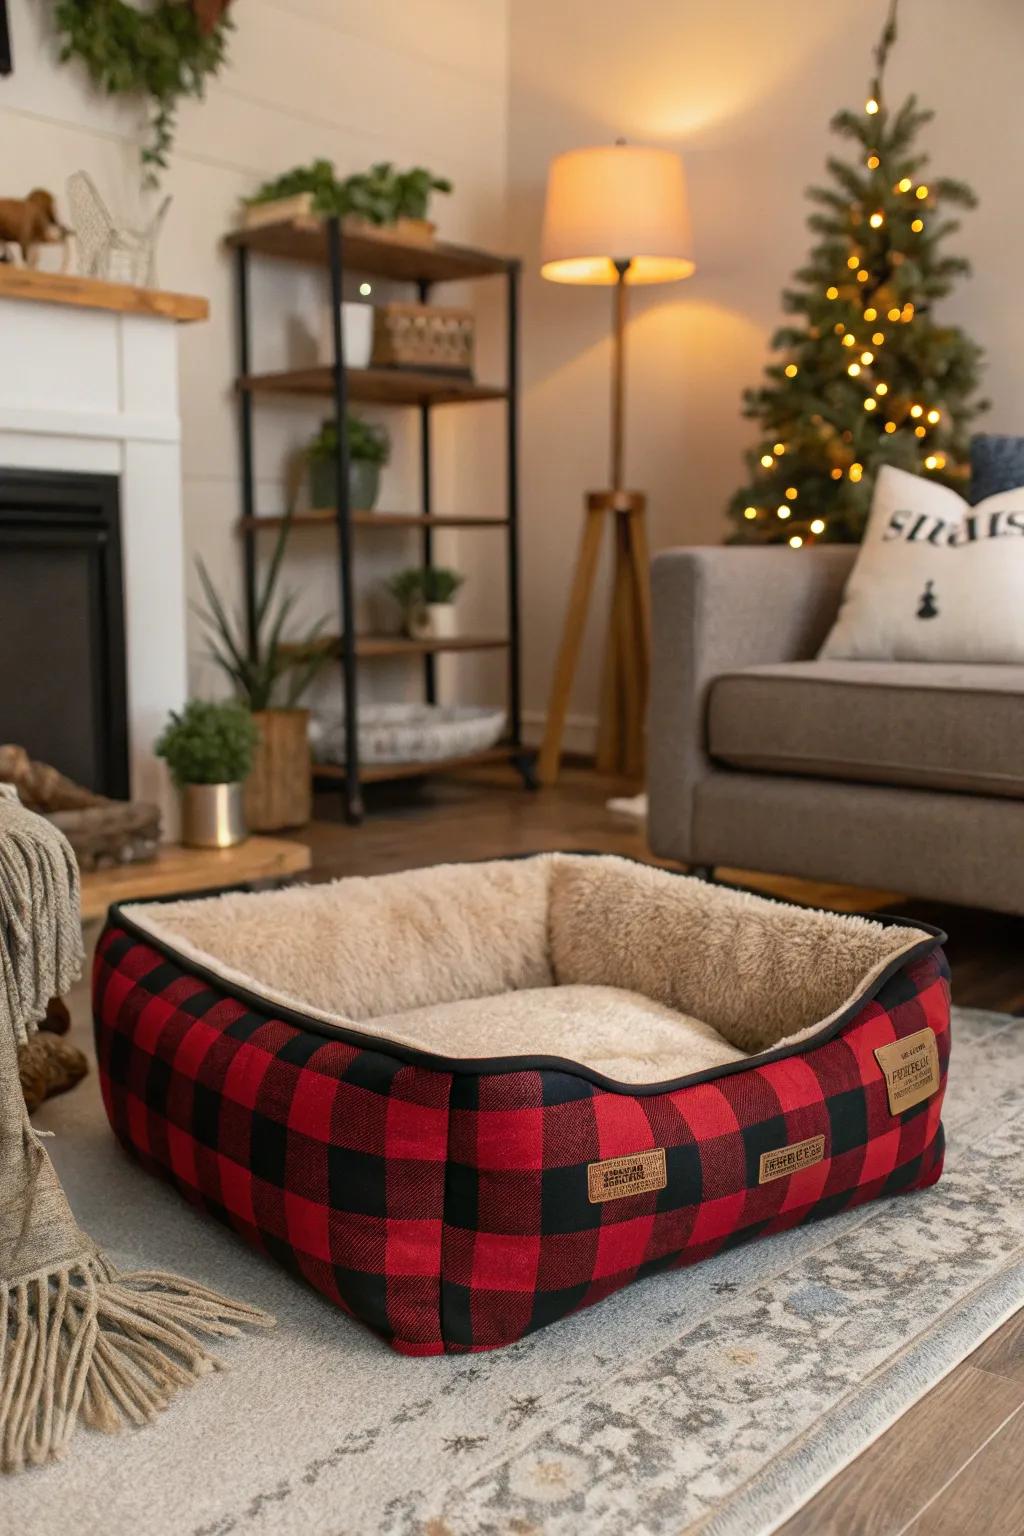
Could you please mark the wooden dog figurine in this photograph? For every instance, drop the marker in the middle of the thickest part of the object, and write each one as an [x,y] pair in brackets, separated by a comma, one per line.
[29,222]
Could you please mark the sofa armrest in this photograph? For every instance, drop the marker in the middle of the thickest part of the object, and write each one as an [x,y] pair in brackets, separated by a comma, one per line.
[716,610]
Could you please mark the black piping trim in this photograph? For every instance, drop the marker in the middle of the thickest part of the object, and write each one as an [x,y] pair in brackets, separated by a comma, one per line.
[480,1066]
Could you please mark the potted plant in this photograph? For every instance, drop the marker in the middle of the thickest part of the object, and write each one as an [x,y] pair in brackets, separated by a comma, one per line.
[209,751]
[426,596]
[270,677]
[380,199]
[369,447]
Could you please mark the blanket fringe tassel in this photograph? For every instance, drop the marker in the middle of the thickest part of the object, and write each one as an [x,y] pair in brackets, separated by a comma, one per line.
[84,1341]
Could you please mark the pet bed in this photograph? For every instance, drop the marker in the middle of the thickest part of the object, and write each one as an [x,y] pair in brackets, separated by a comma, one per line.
[465,1101]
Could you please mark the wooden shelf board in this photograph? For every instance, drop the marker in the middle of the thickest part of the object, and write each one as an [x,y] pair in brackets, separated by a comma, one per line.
[177,870]
[319,516]
[401,645]
[305,240]
[375,773]
[90,293]
[381,386]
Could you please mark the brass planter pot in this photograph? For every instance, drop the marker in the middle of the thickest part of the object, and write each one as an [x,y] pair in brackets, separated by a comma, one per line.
[279,790]
[212,815]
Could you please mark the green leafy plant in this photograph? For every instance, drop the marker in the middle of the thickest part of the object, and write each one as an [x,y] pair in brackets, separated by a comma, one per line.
[381,195]
[417,586]
[440,584]
[208,743]
[164,52]
[272,664]
[366,441]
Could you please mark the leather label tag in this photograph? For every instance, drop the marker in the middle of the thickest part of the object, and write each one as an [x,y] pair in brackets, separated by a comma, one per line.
[791,1159]
[619,1176]
[911,1069]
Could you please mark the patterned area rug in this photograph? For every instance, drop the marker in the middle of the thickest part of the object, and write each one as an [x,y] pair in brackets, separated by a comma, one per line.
[713,1401]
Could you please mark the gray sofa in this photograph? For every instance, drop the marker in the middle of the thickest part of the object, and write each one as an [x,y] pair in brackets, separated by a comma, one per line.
[908,776]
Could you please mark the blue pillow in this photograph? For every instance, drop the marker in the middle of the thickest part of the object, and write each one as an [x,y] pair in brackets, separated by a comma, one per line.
[997,464]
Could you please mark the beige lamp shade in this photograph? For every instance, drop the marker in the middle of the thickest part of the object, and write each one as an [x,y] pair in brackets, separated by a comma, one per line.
[616,203]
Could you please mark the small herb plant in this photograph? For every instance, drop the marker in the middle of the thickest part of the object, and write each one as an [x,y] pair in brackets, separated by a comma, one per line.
[381,195]
[419,586]
[366,442]
[258,674]
[440,584]
[208,743]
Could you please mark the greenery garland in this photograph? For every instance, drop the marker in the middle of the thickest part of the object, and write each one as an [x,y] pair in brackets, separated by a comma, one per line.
[164,53]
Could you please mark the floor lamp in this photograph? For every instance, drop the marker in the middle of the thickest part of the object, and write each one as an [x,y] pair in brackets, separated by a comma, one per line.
[614,216]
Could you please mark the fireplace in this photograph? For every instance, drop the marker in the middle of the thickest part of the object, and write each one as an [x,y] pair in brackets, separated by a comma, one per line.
[62,633]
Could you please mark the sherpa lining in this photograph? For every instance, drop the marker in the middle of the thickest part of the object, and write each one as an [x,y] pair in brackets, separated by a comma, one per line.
[633,972]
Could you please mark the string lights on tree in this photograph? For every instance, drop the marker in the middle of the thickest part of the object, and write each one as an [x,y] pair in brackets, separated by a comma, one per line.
[864,374]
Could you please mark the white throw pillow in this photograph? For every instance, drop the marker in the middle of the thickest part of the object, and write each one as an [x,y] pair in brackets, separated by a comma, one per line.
[935,579]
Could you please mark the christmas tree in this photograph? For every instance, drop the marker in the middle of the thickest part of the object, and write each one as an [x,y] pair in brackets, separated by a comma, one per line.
[865,375]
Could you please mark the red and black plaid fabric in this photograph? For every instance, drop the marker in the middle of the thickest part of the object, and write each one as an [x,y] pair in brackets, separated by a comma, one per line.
[449,1211]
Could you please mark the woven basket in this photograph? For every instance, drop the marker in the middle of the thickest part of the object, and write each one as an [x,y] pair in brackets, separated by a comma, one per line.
[423,336]
[409,733]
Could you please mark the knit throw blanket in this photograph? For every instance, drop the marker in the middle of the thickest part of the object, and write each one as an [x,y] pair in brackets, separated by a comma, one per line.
[78,1340]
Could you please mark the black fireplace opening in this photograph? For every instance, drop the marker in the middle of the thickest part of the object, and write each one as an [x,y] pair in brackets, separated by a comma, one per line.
[62,643]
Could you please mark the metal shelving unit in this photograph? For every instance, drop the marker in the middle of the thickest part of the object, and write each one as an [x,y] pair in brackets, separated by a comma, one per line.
[324,243]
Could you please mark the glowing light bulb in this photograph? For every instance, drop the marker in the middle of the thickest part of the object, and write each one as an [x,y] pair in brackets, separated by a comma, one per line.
[878,338]
[904,184]
[908,312]
[839,327]
[791,370]
[832,293]
[934,416]
[863,276]
[917,410]
[791,493]
[796,542]
[873,162]
[867,358]
[871,106]
[920,431]
[849,340]
[894,314]
[778,449]
[853,262]
[782,512]
[931,462]
[767,460]
[881,389]
[890,426]
[366,289]
[877,220]
[870,404]
[856,470]
[837,474]
[853,370]
[818,526]
[922,193]
[750,513]
[871,314]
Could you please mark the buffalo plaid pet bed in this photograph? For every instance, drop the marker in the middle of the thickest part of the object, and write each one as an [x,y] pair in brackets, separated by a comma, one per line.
[466,1101]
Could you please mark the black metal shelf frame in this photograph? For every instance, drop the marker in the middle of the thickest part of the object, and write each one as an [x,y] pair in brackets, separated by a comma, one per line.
[351,783]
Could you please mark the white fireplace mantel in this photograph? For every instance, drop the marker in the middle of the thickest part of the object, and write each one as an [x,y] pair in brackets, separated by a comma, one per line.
[89,383]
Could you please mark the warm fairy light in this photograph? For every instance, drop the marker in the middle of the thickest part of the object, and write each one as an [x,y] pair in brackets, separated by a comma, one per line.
[856,470]
[782,512]
[920,431]
[867,358]
[871,314]
[890,426]
[917,225]
[767,460]
[934,416]
[849,340]
[870,404]
[791,370]
[832,293]
[877,220]
[931,462]
[908,311]
[796,542]
[904,184]
[778,449]
[791,493]
[873,162]
[853,370]
[818,526]
[941,458]
[871,106]
[894,314]
[922,193]
[852,262]
[837,474]
[365,289]
[749,513]
[917,410]
[878,338]
[881,389]
[862,276]
[839,327]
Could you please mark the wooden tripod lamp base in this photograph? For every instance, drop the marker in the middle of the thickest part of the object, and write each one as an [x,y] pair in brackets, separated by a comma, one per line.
[620,741]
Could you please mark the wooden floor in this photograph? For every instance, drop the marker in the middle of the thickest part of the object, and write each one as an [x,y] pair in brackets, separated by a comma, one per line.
[954,1464]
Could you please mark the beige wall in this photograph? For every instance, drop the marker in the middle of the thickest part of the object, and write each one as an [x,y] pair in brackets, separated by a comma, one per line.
[358,81]
[744,89]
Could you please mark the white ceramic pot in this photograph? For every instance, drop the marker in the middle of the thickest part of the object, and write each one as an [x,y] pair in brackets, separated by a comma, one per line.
[441,621]
[356,334]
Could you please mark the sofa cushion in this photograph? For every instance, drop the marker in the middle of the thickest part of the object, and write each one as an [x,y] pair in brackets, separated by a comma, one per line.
[932,725]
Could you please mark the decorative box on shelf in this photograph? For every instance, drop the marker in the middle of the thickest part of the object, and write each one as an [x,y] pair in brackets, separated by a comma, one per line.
[423,336]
